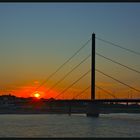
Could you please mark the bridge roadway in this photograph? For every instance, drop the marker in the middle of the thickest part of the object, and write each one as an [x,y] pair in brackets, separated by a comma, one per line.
[99,100]
[100,106]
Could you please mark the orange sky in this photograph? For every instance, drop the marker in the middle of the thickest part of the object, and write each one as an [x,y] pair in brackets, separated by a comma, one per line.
[29,90]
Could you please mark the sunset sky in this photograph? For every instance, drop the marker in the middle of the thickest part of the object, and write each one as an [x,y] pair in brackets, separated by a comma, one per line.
[36,38]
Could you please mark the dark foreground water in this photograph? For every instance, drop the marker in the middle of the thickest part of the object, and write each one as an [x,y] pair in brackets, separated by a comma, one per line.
[112,125]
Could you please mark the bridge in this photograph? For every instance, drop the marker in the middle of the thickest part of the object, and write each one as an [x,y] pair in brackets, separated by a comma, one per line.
[93,106]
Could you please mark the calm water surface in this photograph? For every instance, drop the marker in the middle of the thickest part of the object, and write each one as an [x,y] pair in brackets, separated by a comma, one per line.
[112,125]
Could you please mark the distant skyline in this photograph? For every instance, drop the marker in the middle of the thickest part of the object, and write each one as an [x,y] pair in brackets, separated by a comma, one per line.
[36,38]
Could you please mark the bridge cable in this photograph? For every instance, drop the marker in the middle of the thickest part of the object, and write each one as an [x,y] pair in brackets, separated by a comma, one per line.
[63,64]
[73,83]
[97,87]
[118,80]
[81,92]
[106,91]
[116,45]
[68,73]
[118,63]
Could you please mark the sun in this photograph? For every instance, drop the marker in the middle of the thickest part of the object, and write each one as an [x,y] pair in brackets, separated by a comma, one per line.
[37,95]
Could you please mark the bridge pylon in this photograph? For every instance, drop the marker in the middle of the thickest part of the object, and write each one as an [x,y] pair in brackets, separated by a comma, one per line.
[93,68]
[93,107]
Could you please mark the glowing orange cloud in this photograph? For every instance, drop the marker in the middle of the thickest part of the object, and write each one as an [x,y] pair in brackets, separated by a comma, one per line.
[29,91]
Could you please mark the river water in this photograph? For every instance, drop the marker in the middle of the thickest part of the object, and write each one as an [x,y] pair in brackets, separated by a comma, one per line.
[65,126]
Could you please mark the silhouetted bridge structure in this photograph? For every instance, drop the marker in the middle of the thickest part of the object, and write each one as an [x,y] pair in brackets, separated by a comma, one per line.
[94,106]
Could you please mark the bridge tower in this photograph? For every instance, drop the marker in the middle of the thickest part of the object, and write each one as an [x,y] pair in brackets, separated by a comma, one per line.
[93,68]
[93,107]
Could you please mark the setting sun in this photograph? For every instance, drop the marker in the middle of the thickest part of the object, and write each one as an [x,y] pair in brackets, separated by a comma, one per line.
[37,95]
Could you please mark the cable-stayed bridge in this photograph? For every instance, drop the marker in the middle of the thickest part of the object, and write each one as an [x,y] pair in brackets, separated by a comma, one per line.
[94,105]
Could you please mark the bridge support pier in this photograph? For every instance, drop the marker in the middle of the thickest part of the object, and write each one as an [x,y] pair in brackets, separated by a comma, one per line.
[93,109]
[69,109]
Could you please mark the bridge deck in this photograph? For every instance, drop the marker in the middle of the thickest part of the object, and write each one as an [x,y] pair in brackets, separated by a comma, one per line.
[100,100]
